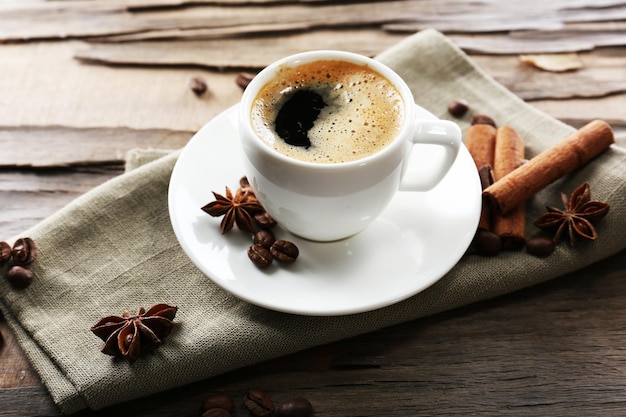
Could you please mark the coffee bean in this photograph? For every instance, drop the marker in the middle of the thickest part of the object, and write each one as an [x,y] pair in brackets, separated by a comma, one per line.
[265,221]
[258,403]
[219,401]
[216,412]
[24,251]
[243,79]
[487,243]
[540,246]
[458,108]
[284,251]
[20,277]
[471,249]
[198,86]
[481,119]
[260,256]
[264,238]
[298,407]
[5,252]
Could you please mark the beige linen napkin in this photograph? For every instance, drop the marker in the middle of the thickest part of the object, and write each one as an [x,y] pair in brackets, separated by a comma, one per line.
[114,248]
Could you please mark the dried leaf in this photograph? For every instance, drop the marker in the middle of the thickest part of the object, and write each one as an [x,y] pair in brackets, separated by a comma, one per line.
[553,62]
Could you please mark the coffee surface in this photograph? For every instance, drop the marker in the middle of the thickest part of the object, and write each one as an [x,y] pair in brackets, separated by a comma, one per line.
[297,116]
[328,112]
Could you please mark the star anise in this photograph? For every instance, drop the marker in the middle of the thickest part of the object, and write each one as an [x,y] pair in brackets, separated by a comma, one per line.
[575,218]
[238,209]
[128,336]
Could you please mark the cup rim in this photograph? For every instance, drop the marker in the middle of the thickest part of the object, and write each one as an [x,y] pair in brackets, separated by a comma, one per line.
[267,73]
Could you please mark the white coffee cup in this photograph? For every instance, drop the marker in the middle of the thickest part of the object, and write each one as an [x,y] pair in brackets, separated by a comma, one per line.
[327,202]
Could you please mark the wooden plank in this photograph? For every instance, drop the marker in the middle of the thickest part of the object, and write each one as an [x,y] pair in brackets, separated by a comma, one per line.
[12,3]
[58,19]
[357,14]
[14,367]
[63,20]
[571,37]
[603,74]
[417,20]
[23,145]
[151,4]
[245,52]
[43,85]
[486,22]
[548,34]
[76,19]
[581,111]
[573,28]
[50,20]
[30,196]
[27,401]
[246,31]
[540,42]
[598,38]
[526,18]
[594,14]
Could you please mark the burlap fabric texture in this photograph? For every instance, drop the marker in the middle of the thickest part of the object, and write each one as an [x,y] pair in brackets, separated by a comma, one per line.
[114,248]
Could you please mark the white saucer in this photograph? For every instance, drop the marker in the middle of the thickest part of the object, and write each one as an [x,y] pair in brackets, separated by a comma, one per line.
[416,241]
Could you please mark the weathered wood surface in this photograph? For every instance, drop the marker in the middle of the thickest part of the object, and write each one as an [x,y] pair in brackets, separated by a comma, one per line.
[80,147]
[216,53]
[62,19]
[82,82]
[553,350]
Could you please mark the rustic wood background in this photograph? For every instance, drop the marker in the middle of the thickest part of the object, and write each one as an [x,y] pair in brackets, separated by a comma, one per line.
[82,82]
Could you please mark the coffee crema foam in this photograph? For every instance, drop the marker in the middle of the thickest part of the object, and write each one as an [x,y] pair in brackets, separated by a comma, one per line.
[363,112]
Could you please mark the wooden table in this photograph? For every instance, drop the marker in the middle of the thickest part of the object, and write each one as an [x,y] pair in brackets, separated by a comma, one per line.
[83,82]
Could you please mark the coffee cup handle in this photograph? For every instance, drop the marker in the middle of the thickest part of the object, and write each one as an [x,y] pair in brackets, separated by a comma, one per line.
[432,132]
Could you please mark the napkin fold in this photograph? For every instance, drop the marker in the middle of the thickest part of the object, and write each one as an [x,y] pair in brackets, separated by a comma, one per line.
[114,249]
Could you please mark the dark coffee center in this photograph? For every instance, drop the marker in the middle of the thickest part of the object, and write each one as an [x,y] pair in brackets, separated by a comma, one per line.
[297,116]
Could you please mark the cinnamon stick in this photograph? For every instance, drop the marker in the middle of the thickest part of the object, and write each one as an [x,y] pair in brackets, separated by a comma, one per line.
[480,141]
[508,156]
[564,157]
